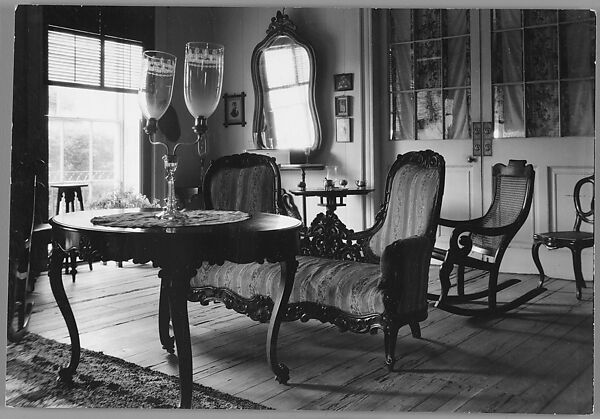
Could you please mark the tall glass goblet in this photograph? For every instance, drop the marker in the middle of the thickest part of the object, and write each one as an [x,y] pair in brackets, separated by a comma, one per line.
[156,86]
[202,85]
[154,96]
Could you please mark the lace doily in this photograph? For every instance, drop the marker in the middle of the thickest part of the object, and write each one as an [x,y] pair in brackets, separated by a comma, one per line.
[149,219]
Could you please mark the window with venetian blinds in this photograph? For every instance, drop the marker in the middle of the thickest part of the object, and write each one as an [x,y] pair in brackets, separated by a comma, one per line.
[84,59]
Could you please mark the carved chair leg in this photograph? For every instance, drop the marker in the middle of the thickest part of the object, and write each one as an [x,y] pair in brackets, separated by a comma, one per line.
[460,280]
[579,282]
[164,319]
[415,329]
[390,335]
[493,290]
[538,264]
[445,271]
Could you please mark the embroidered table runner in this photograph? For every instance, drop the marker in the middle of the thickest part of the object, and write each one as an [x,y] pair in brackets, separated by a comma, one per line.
[149,219]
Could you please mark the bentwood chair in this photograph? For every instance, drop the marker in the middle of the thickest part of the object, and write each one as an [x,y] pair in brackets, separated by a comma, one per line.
[575,240]
[28,248]
[241,182]
[481,244]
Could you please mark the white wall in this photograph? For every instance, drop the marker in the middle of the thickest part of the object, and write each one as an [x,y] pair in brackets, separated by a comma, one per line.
[335,36]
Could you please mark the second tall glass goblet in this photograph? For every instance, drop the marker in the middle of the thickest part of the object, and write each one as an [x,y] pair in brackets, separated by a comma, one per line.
[154,96]
[202,85]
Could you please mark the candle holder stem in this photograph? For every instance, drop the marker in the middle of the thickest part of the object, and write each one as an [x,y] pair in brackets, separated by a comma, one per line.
[170,211]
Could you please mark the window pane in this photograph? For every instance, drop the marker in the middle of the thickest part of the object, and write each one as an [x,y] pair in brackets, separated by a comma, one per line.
[575,15]
[54,152]
[400,25]
[403,116]
[104,148]
[577,50]
[541,54]
[457,114]
[507,53]
[427,23]
[577,108]
[401,63]
[429,64]
[76,150]
[457,66]
[456,22]
[506,19]
[508,111]
[539,17]
[542,110]
[429,115]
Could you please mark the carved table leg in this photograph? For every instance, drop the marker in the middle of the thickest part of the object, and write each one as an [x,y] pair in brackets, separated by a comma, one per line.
[177,287]
[164,318]
[288,271]
[55,273]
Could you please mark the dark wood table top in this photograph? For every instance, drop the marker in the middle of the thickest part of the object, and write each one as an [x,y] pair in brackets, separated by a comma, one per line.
[258,222]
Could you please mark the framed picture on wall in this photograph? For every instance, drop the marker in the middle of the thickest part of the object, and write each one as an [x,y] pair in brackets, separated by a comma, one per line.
[235,109]
[343,130]
[344,81]
[342,106]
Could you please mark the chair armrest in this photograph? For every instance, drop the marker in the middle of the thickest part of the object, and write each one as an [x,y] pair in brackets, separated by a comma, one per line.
[459,223]
[288,206]
[405,272]
[479,229]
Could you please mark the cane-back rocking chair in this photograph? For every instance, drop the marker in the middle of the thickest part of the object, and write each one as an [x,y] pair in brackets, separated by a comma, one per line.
[481,244]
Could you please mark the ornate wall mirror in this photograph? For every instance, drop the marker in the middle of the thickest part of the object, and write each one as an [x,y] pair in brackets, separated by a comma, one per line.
[283,74]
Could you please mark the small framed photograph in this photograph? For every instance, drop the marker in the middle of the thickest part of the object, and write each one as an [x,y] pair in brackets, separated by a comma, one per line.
[343,130]
[344,81]
[342,106]
[235,109]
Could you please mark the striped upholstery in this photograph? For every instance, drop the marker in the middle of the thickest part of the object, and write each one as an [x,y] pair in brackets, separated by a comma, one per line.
[347,285]
[411,206]
[248,189]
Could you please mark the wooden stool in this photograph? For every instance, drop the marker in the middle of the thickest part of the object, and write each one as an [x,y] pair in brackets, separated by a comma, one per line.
[70,191]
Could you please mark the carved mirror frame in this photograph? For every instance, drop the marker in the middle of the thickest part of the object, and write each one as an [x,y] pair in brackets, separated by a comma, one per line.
[281,25]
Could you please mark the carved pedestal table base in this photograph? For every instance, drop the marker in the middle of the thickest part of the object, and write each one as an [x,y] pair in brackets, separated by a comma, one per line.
[178,252]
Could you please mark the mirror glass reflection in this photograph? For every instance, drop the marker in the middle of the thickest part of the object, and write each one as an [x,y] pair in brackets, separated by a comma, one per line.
[283,73]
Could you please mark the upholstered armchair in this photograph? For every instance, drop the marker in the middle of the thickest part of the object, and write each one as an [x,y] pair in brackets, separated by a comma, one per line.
[379,279]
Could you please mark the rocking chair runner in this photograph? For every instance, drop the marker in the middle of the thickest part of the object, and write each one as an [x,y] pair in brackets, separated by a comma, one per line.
[473,242]
[576,240]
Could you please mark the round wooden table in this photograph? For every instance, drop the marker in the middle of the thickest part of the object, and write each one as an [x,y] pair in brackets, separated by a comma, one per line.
[178,252]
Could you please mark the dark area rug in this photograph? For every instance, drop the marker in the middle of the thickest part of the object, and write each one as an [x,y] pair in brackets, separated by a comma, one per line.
[101,381]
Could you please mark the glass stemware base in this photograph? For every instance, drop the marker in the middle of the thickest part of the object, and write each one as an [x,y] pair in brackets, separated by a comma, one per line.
[170,211]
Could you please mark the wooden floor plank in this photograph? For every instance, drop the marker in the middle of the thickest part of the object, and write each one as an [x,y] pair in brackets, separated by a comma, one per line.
[501,364]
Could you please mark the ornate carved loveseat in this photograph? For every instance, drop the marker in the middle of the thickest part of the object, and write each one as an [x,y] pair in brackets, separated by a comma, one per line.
[379,279]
